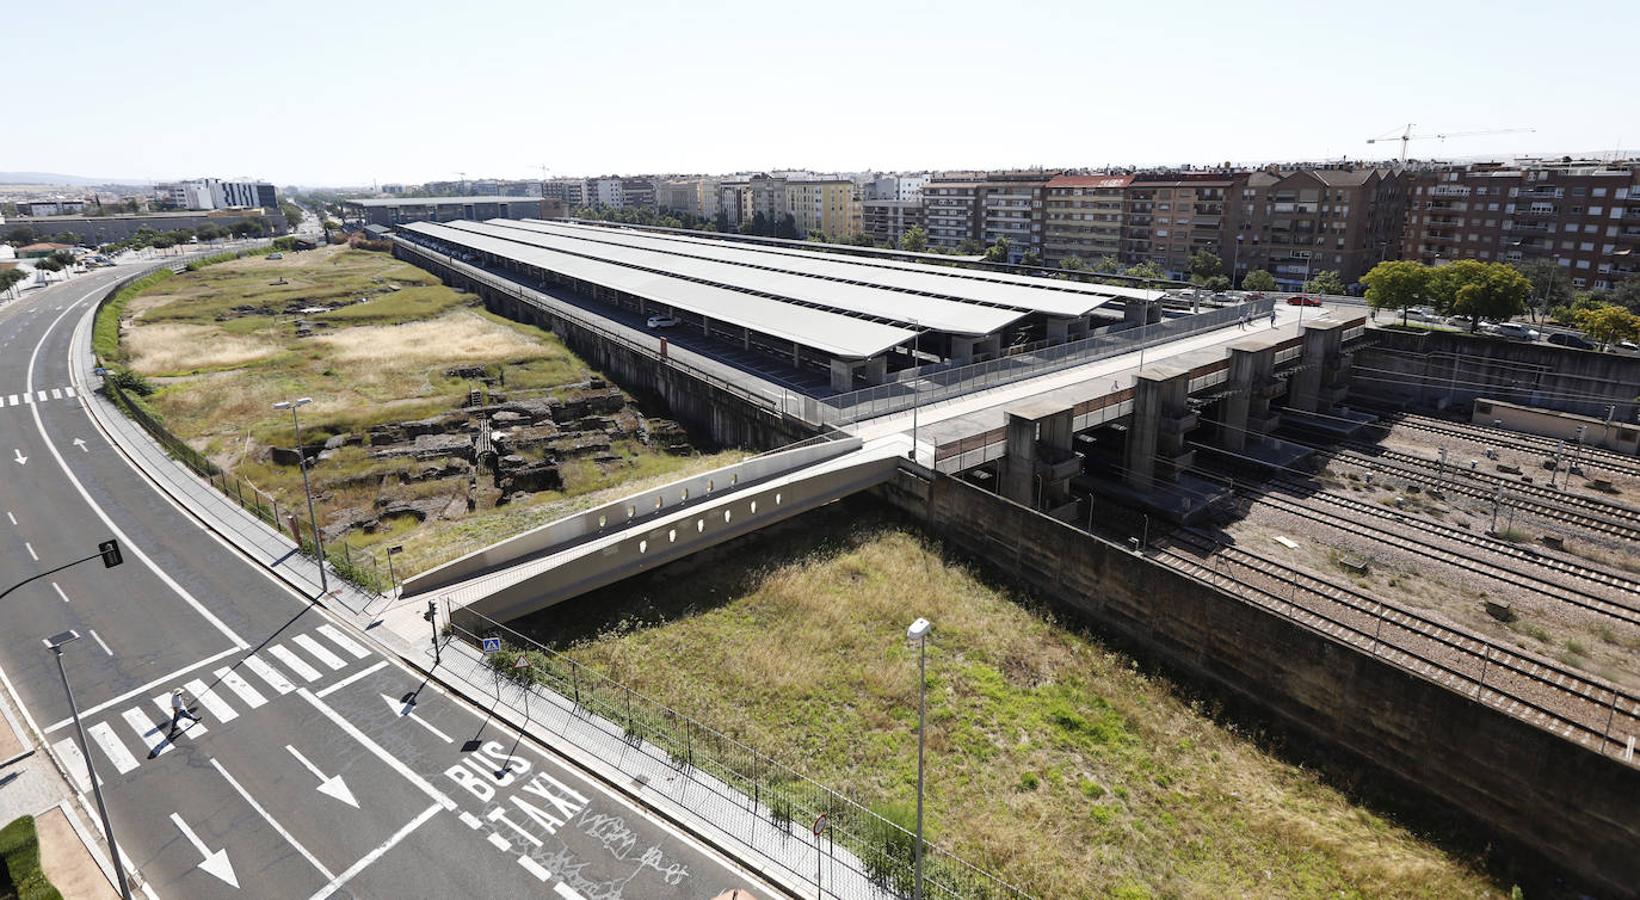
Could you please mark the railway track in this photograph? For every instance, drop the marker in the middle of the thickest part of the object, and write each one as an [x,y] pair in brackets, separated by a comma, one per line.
[1589,457]
[1395,533]
[1598,715]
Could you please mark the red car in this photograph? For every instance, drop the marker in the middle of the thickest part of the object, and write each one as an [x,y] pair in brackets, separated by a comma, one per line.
[1301,300]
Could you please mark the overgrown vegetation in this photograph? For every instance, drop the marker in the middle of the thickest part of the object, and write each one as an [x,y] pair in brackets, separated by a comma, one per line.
[20,872]
[1052,760]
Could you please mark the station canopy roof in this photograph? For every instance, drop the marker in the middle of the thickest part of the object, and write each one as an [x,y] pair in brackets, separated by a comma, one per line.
[787,284]
[439,201]
[836,334]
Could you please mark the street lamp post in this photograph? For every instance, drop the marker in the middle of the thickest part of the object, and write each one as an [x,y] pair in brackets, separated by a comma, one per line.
[56,643]
[916,396]
[919,632]
[307,489]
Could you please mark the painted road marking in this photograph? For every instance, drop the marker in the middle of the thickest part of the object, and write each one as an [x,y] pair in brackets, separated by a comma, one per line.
[12,399]
[212,703]
[56,394]
[567,892]
[68,392]
[112,747]
[252,697]
[352,678]
[364,740]
[319,651]
[498,842]
[59,591]
[187,726]
[471,821]
[163,679]
[269,674]
[11,517]
[151,735]
[534,868]
[343,641]
[98,638]
[375,854]
[42,395]
[294,663]
[31,551]
[69,753]
[289,839]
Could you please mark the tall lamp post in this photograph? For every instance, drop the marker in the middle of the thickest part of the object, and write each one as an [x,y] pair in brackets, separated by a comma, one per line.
[307,489]
[56,643]
[916,397]
[919,632]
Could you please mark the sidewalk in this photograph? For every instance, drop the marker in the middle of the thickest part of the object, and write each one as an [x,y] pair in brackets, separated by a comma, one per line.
[689,799]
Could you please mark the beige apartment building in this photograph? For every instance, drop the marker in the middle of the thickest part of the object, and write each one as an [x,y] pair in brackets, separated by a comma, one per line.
[824,206]
[1082,217]
[1169,216]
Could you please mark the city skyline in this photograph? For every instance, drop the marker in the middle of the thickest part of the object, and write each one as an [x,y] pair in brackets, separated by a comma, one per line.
[365,100]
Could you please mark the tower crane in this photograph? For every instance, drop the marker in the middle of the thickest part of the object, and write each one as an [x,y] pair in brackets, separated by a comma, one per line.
[1406,136]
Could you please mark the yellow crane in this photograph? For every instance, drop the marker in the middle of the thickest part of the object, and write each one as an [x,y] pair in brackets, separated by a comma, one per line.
[1406,136]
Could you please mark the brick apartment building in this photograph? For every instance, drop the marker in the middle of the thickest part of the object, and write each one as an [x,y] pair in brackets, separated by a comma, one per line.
[1583,214]
[1295,223]
[1169,216]
[986,207]
[1083,217]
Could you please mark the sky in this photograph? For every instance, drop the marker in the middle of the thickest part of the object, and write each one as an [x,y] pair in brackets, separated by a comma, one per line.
[354,94]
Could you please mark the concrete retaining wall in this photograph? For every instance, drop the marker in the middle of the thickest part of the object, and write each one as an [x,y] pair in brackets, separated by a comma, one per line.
[1528,788]
[1444,368]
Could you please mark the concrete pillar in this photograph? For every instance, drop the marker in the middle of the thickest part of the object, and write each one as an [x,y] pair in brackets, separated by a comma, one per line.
[1323,375]
[1246,411]
[1139,312]
[842,374]
[962,348]
[1157,427]
[706,326]
[797,355]
[746,338]
[876,370]
[1019,462]
[1039,463]
[1059,329]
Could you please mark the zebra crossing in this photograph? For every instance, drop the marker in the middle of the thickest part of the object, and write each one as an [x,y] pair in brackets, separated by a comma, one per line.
[44,395]
[143,731]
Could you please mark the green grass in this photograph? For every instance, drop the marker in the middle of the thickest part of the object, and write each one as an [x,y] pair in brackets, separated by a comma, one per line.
[105,331]
[20,873]
[1052,759]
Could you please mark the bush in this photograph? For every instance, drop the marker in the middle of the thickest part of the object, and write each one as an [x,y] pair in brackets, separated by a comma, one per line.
[129,381]
[892,856]
[105,332]
[20,873]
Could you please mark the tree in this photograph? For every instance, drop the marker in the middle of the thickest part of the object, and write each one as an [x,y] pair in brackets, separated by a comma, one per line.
[1325,282]
[20,235]
[1073,263]
[786,227]
[10,278]
[1395,284]
[1550,286]
[970,247]
[1258,280]
[293,214]
[1479,290]
[1215,283]
[1627,294]
[49,264]
[915,239]
[1609,324]
[1031,258]
[998,252]
[1204,265]
[1147,270]
[1107,265]
[65,257]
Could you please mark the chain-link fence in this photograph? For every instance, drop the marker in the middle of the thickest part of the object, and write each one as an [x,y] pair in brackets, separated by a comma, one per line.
[871,849]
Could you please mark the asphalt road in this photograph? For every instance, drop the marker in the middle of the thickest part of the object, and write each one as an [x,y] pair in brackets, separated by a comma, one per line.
[307,773]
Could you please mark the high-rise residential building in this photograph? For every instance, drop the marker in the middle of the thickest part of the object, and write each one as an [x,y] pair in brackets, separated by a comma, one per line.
[572,192]
[765,195]
[987,207]
[826,206]
[1582,214]
[951,207]
[1083,217]
[1294,223]
[885,220]
[1168,216]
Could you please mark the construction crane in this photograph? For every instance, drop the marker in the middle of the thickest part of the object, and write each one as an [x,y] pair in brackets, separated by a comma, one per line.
[1407,136]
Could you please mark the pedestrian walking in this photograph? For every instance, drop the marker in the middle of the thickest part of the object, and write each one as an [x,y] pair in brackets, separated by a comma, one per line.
[1272,318]
[179,709]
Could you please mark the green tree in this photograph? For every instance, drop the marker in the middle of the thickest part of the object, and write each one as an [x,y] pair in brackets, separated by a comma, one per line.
[64,257]
[293,214]
[786,227]
[67,237]
[1073,263]
[162,242]
[20,235]
[1215,283]
[1550,286]
[1107,265]
[1031,258]
[1325,282]
[1480,290]
[1396,284]
[1609,324]
[10,278]
[998,252]
[915,239]
[970,247]
[1147,270]
[1627,294]
[1204,265]
[50,264]
[1258,280]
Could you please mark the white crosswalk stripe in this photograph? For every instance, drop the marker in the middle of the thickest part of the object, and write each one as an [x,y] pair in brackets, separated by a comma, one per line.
[269,674]
[208,699]
[56,394]
[68,392]
[294,663]
[41,396]
[320,651]
[153,736]
[11,399]
[190,727]
[74,761]
[112,747]
[252,697]
[343,641]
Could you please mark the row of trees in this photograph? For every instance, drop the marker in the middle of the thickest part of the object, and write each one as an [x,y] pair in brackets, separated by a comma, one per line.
[1468,288]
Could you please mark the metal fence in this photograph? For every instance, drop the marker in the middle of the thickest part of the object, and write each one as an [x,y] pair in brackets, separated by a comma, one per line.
[895,397]
[876,851]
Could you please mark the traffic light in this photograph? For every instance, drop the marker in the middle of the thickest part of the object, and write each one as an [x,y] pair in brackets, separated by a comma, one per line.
[110,550]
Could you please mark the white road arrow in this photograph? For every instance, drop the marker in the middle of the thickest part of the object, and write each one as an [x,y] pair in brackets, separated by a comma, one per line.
[80,442]
[21,459]
[333,786]
[407,711]
[215,863]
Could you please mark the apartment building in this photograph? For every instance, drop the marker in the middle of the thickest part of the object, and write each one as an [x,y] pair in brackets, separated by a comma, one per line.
[1582,214]
[1168,216]
[1083,217]
[762,194]
[824,206]
[951,209]
[987,207]
[1294,223]
[885,220]
[572,192]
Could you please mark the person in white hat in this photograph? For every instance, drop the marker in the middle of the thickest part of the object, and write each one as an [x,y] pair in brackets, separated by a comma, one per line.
[179,708]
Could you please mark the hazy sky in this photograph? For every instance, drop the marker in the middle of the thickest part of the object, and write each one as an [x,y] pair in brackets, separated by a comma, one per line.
[350,93]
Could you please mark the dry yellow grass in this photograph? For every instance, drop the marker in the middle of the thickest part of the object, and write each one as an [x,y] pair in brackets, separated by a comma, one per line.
[164,348]
[455,337]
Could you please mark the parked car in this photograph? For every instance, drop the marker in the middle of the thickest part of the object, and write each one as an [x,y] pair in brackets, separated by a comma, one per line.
[1301,300]
[1516,331]
[1567,339]
[663,321]
[1626,345]
[276,256]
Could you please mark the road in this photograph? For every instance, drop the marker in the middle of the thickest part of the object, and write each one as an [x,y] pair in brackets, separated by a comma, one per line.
[317,767]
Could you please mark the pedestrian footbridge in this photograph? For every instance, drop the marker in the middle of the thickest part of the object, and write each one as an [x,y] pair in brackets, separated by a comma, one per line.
[591,549]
